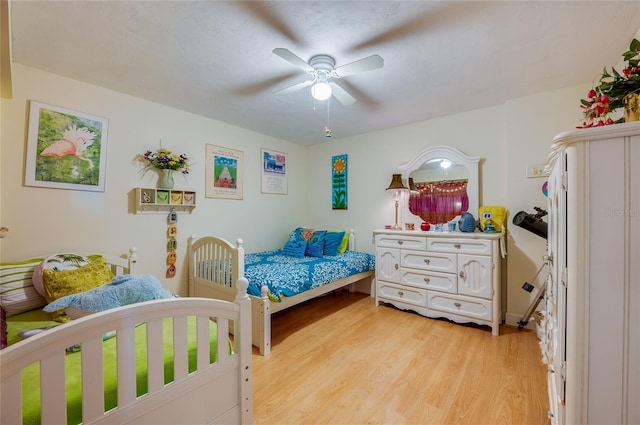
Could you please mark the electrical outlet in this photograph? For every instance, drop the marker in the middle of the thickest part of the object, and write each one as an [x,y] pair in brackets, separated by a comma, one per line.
[536,170]
[528,287]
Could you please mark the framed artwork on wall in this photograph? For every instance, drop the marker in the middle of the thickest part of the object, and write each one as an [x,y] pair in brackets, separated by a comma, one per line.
[65,149]
[224,172]
[274,172]
[339,182]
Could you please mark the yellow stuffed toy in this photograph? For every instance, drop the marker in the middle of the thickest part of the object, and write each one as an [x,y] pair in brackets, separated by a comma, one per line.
[493,219]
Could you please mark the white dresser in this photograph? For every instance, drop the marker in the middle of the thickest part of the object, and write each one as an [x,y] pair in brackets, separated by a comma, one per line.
[441,274]
[592,338]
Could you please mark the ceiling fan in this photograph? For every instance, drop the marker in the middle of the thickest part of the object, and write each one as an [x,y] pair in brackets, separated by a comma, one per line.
[322,68]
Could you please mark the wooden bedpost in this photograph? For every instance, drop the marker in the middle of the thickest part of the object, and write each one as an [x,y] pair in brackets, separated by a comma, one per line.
[242,337]
[191,261]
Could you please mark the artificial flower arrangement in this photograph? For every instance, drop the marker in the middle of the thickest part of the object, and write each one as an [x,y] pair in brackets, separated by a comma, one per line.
[164,159]
[612,91]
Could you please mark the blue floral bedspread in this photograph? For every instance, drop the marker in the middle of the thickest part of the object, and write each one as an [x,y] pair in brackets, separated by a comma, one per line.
[287,276]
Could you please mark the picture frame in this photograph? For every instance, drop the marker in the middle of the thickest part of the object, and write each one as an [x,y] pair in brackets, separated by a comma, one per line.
[224,172]
[339,186]
[66,149]
[274,172]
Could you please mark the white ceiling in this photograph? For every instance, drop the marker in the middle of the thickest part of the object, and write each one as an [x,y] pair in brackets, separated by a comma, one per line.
[214,58]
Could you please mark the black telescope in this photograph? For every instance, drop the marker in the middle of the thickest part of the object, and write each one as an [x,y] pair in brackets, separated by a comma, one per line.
[532,222]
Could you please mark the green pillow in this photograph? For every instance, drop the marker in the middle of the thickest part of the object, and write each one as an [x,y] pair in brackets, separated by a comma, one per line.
[345,243]
[67,282]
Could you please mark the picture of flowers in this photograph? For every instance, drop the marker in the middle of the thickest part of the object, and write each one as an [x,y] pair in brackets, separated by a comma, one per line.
[223,173]
[65,149]
[339,182]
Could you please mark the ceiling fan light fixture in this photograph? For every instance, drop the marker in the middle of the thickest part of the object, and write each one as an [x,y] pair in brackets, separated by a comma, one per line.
[321,91]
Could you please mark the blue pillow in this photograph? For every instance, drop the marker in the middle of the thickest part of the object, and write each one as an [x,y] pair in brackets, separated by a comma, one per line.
[332,241]
[294,248]
[315,245]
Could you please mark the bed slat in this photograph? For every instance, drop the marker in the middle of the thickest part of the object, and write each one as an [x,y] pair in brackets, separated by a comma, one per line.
[155,358]
[180,349]
[52,370]
[92,380]
[126,352]
[223,341]
[203,348]
[11,393]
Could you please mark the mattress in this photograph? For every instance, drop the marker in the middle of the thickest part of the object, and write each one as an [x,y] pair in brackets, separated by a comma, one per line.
[286,276]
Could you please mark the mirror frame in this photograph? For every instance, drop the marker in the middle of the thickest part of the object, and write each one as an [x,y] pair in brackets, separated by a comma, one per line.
[457,157]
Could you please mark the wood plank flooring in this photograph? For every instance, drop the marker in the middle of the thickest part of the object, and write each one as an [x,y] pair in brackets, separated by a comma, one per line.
[340,359]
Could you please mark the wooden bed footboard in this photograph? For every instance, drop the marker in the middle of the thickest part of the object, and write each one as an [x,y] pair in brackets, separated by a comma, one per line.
[219,392]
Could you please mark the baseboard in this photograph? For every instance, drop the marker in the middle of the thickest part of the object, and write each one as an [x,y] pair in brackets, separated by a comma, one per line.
[513,320]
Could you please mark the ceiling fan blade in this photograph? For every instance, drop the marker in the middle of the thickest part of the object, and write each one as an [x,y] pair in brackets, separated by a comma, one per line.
[342,95]
[366,64]
[293,59]
[264,12]
[294,87]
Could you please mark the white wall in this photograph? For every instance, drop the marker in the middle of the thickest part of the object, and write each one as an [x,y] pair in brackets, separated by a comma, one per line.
[508,137]
[45,220]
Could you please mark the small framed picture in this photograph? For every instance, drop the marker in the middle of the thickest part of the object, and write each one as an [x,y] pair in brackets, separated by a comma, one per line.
[274,172]
[65,149]
[224,172]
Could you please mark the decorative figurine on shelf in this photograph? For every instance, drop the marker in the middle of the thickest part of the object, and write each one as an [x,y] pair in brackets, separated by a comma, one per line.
[492,219]
[172,257]
[171,270]
[173,216]
[467,223]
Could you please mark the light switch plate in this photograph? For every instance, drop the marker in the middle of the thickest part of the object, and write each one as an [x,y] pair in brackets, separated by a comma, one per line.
[536,170]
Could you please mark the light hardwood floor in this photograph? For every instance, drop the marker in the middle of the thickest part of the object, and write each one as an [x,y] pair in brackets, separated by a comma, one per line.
[340,359]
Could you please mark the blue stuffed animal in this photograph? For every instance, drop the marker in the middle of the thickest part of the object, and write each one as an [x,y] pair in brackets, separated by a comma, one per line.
[122,290]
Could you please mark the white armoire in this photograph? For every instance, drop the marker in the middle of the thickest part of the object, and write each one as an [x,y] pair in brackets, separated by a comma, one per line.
[591,342]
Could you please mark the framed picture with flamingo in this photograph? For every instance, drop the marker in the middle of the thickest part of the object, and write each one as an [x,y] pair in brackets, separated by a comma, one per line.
[65,149]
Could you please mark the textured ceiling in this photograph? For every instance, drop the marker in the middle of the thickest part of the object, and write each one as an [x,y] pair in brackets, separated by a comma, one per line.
[214,58]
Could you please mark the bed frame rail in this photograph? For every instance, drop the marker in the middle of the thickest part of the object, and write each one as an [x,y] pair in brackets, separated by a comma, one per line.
[213,383]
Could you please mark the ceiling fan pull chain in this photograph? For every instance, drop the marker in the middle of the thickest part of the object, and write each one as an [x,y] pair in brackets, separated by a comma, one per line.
[327,129]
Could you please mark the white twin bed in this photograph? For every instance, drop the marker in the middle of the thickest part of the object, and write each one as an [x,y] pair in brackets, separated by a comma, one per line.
[194,381]
[215,265]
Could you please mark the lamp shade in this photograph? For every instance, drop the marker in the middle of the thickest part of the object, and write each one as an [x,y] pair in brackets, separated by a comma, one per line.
[412,185]
[396,183]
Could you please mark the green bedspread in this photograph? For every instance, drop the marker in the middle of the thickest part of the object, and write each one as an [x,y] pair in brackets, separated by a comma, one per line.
[31,375]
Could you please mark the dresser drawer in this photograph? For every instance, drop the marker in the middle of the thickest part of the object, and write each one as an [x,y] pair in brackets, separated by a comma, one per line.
[403,242]
[461,306]
[462,246]
[436,261]
[446,282]
[402,293]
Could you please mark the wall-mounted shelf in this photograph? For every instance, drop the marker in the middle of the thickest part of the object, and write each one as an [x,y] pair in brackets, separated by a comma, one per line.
[149,200]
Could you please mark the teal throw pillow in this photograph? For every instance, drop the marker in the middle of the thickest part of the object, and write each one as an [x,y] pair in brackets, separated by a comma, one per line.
[315,246]
[332,242]
[294,248]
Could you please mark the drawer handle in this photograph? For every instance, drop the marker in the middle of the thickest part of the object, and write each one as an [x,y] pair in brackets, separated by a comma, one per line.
[427,280]
[461,275]
[458,305]
[401,294]
[396,266]
[399,242]
[457,245]
[427,261]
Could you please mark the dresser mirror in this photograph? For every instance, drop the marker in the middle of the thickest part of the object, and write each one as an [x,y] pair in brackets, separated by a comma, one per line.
[443,183]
